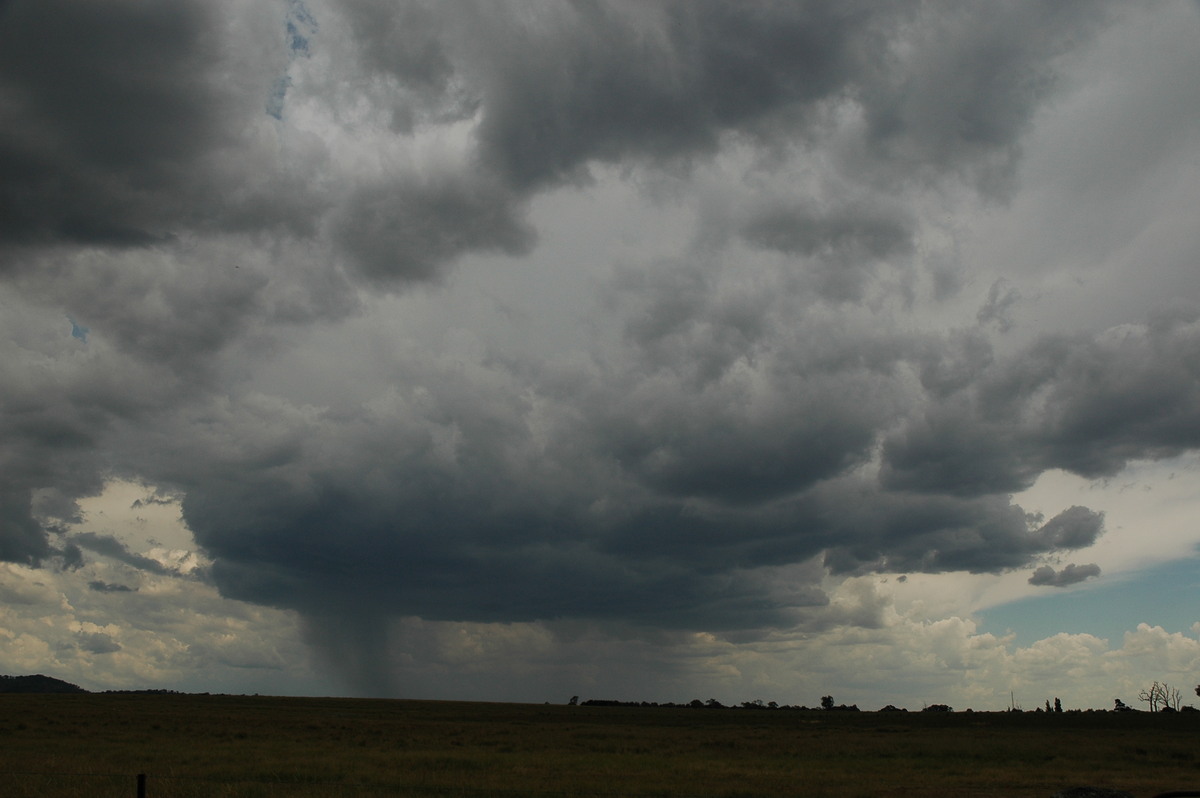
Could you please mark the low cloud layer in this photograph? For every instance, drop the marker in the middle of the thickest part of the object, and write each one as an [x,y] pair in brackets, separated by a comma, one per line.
[241,242]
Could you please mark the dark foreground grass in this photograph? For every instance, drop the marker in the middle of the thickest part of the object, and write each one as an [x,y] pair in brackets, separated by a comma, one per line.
[255,747]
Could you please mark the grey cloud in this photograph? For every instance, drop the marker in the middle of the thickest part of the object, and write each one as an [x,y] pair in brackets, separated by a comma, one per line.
[404,40]
[1001,298]
[954,361]
[1084,404]
[901,532]
[594,81]
[413,44]
[98,643]
[406,231]
[109,546]
[1069,575]
[110,112]
[734,396]
[22,538]
[72,557]
[965,81]
[865,232]
[720,443]
[52,420]
[152,499]
[466,515]
[497,497]
[941,86]
[101,586]
[1073,528]
[727,420]
[843,246]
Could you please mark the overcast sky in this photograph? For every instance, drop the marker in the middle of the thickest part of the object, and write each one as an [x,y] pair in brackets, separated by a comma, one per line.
[641,350]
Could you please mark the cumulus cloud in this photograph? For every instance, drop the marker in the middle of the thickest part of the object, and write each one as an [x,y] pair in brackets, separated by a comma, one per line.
[268,225]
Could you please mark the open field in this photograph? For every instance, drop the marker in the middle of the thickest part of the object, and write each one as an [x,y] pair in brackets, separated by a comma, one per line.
[93,745]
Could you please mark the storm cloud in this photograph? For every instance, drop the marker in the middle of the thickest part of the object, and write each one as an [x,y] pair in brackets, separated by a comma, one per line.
[239,243]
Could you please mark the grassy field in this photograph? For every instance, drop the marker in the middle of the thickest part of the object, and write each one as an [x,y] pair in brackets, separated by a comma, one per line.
[93,745]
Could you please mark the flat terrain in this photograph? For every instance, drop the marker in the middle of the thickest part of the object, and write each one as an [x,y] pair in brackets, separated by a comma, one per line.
[93,745]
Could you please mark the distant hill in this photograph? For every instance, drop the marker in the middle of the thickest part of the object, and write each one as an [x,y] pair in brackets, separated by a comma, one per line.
[37,684]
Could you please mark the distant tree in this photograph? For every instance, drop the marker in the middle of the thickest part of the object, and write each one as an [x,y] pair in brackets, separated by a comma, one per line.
[574,701]
[938,708]
[1152,696]
[1048,705]
[1160,696]
[1121,706]
[696,703]
[1057,705]
[826,702]
[713,703]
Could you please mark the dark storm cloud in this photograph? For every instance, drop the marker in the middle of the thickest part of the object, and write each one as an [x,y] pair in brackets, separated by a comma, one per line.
[872,530]
[1087,405]
[51,422]
[22,538]
[842,244]
[854,231]
[411,44]
[963,87]
[733,426]
[595,81]
[408,230]
[560,87]
[480,502]
[1070,574]
[104,105]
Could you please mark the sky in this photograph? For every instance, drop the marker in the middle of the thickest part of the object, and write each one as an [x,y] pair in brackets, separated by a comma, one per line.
[639,350]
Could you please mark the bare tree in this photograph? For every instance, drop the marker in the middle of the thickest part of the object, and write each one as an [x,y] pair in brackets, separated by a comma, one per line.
[1152,695]
[1172,697]
[1161,695]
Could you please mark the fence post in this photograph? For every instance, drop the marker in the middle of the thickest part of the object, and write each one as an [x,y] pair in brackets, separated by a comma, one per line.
[141,788]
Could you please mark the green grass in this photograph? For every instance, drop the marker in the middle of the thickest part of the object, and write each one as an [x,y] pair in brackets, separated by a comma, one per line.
[232,746]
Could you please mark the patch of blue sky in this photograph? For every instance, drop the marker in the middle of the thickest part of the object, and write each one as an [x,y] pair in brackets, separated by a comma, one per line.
[1166,595]
[278,94]
[78,330]
[300,26]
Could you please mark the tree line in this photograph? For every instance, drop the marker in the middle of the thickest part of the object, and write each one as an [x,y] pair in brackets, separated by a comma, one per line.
[1159,697]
